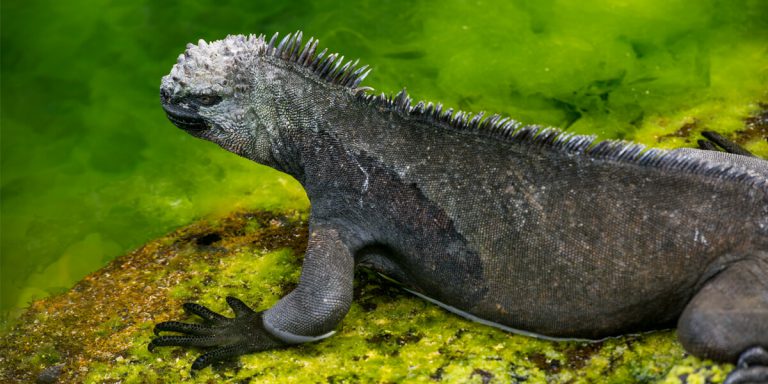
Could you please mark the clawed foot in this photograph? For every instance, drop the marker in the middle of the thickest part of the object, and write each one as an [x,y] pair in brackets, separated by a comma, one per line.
[752,368]
[226,338]
[714,142]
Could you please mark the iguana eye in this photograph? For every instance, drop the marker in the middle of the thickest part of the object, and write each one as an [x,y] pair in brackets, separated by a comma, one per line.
[207,100]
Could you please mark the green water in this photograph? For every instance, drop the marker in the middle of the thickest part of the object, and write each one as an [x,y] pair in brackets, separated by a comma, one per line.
[92,169]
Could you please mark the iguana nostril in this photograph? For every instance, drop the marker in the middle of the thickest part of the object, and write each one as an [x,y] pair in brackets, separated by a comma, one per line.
[165,96]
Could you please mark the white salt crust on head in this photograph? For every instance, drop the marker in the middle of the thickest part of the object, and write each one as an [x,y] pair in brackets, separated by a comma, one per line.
[212,67]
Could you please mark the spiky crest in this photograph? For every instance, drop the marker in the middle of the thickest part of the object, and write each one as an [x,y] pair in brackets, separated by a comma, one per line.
[555,139]
[331,68]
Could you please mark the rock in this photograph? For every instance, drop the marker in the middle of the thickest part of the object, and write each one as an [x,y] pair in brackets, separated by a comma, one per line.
[98,331]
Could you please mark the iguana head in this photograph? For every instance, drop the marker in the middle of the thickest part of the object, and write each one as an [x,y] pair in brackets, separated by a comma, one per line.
[235,91]
[209,91]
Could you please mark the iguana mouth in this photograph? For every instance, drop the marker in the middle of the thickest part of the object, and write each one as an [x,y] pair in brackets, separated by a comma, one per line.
[183,118]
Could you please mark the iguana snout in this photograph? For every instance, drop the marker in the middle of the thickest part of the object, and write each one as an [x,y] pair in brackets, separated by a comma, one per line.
[183,114]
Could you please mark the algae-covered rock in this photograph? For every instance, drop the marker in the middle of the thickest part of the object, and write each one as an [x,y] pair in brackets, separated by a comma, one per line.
[98,331]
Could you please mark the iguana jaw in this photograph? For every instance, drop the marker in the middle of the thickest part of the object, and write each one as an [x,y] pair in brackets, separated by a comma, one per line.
[184,116]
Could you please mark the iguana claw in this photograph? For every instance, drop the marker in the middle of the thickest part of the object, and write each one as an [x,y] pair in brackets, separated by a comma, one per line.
[226,337]
[752,367]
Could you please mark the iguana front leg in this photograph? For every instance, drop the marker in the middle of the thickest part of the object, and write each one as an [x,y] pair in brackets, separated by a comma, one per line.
[323,295]
[310,312]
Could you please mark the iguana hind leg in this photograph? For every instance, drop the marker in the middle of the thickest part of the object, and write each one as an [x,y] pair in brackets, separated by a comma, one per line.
[727,320]
[714,141]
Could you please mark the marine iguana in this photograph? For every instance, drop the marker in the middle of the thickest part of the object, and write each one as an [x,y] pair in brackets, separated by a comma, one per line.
[533,230]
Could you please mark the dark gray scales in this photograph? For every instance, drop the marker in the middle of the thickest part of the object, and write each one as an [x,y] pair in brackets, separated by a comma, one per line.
[526,228]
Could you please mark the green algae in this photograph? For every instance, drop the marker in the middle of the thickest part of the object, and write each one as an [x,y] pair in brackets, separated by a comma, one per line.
[98,331]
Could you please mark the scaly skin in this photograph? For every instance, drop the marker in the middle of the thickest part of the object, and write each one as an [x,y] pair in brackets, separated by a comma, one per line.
[528,229]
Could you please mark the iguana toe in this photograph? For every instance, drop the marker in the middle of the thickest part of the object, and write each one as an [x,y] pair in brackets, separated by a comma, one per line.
[219,354]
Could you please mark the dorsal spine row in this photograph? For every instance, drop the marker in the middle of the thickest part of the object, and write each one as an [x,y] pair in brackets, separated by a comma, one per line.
[328,67]
[332,68]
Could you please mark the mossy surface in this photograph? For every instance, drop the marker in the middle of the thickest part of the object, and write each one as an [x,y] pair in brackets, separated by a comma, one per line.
[98,331]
